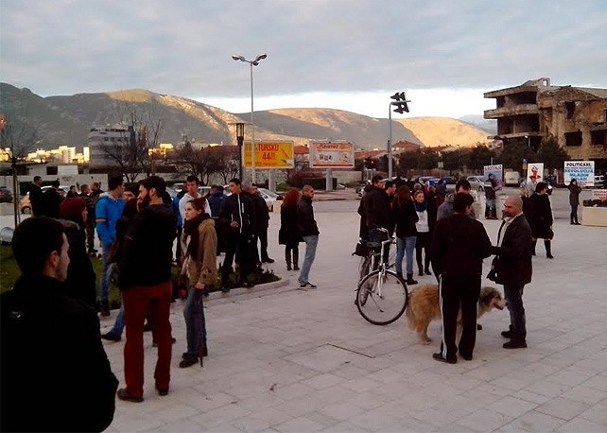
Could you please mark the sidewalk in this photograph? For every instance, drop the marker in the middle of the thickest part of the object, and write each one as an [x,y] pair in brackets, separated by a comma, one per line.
[286,360]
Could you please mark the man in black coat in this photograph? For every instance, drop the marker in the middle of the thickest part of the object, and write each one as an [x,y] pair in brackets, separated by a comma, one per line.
[308,228]
[55,373]
[262,221]
[512,268]
[35,194]
[238,215]
[458,248]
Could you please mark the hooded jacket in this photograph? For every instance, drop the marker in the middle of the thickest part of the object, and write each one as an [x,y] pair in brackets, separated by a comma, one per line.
[109,209]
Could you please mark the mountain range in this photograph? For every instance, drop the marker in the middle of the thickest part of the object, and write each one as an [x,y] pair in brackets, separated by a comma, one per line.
[66,120]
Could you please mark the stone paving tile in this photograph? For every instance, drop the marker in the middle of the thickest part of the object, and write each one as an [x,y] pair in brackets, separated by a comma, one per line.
[484,420]
[534,421]
[298,425]
[597,413]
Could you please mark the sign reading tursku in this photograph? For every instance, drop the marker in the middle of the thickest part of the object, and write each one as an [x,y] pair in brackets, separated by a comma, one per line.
[269,154]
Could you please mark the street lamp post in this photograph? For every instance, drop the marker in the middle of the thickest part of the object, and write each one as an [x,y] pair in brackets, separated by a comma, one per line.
[251,64]
[400,102]
[240,142]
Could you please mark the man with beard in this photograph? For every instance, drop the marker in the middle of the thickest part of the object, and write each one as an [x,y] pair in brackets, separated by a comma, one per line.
[50,383]
[145,281]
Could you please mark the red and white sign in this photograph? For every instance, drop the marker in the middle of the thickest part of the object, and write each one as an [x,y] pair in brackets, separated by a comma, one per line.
[331,155]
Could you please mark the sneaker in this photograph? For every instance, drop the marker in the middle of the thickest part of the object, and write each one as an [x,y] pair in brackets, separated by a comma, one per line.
[110,336]
[125,395]
[439,357]
[307,285]
[515,344]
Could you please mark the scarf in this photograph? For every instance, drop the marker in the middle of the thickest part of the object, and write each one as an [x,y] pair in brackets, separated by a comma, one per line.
[421,207]
[190,228]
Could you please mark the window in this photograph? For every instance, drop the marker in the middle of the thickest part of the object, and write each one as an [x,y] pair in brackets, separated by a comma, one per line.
[569,109]
[573,138]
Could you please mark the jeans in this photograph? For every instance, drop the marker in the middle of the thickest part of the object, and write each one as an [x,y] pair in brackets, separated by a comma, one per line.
[406,244]
[514,300]
[573,215]
[311,244]
[105,274]
[195,323]
[118,327]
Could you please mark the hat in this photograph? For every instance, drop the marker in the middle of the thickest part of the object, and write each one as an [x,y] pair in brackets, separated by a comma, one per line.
[72,207]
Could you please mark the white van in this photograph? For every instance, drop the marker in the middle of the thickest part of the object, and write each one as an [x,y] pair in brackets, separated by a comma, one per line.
[512,178]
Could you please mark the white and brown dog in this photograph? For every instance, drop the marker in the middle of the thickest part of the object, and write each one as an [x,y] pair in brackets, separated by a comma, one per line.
[424,307]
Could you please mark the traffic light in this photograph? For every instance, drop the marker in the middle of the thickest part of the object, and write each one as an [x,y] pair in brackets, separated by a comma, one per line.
[370,163]
[400,101]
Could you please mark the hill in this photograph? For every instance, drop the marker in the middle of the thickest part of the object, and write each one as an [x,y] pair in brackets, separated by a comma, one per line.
[66,120]
[444,131]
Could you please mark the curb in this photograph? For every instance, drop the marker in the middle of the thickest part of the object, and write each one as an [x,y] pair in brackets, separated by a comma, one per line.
[257,289]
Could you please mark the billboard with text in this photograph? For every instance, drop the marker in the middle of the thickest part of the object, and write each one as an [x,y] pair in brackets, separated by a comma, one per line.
[325,154]
[269,154]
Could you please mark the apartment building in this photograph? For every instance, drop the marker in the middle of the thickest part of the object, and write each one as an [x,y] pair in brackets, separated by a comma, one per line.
[576,117]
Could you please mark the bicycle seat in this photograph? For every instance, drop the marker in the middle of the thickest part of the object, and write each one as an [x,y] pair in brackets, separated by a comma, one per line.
[374,246]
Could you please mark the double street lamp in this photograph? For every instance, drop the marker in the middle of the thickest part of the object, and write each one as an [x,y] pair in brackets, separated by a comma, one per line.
[251,64]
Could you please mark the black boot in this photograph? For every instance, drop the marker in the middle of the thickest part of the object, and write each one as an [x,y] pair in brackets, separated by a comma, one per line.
[399,274]
[547,245]
[410,279]
[296,260]
[288,259]
[533,250]
[105,308]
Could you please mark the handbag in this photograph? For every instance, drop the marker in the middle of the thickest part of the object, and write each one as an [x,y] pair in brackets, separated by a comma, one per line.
[361,249]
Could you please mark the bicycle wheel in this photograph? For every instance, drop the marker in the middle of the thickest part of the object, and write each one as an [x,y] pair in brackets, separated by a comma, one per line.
[382,297]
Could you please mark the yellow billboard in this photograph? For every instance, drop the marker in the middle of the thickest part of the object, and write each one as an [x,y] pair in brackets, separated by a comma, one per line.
[270,154]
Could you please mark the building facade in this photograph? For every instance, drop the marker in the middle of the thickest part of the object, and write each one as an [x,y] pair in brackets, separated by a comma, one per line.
[104,143]
[575,117]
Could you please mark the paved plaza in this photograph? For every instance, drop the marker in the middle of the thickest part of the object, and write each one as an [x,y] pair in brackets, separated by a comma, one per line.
[286,360]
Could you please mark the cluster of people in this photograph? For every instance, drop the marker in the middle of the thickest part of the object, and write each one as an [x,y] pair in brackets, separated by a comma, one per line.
[443,230]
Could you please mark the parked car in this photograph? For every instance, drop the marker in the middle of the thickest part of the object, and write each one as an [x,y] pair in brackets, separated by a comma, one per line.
[25,206]
[6,196]
[477,183]
[269,196]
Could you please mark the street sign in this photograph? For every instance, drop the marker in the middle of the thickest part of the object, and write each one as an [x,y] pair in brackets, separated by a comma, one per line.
[270,154]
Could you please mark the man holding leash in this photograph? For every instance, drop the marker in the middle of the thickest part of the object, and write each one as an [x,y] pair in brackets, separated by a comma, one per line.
[512,268]
[459,245]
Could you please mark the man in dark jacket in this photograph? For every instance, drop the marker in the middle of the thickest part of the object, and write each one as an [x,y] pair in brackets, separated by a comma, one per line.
[262,221]
[49,383]
[377,209]
[51,200]
[458,248]
[145,281]
[238,215]
[35,194]
[308,228]
[512,268]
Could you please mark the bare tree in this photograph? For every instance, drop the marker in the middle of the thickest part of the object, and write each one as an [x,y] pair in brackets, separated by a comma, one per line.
[203,162]
[18,140]
[142,132]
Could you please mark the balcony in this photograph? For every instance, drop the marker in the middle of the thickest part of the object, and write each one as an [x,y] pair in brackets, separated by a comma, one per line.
[509,111]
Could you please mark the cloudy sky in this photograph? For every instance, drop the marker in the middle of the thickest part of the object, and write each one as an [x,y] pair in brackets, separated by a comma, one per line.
[347,54]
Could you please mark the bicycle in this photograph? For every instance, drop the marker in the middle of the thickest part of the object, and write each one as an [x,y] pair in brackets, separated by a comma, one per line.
[381,296]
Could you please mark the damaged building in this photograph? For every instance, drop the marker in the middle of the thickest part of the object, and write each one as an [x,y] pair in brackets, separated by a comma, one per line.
[576,117]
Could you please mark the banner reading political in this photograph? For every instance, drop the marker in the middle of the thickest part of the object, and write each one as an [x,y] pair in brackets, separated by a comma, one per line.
[331,155]
[269,154]
[582,171]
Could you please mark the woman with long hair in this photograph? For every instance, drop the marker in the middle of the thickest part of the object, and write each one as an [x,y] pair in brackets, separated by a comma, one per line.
[201,253]
[288,234]
[405,218]
[574,200]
